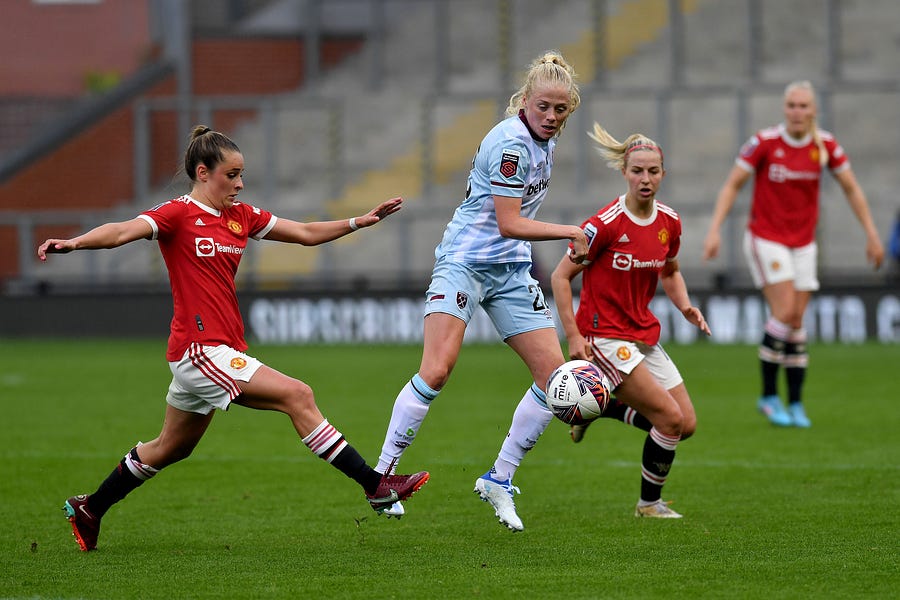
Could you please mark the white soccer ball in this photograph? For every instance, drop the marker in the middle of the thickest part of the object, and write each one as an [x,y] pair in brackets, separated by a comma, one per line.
[578,392]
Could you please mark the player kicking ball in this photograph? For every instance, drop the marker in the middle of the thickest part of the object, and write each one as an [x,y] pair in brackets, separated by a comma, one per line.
[202,237]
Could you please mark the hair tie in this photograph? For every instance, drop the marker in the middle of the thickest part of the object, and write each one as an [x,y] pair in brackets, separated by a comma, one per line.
[653,147]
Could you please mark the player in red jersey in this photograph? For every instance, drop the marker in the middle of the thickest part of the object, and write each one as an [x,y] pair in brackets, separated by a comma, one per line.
[632,245]
[787,162]
[202,237]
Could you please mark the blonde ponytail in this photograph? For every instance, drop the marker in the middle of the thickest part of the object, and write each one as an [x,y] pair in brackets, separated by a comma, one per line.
[615,152]
[820,144]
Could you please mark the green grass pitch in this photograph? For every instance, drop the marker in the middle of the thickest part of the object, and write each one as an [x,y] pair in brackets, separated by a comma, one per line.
[769,513]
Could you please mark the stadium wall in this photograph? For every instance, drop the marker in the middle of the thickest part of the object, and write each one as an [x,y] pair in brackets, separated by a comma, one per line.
[848,315]
[95,168]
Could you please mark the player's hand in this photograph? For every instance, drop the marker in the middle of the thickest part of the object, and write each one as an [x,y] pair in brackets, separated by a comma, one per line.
[711,245]
[579,349]
[54,246]
[378,213]
[579,250]
[695,317]
[875,252]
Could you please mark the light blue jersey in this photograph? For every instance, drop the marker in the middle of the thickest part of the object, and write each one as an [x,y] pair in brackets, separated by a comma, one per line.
[509,162]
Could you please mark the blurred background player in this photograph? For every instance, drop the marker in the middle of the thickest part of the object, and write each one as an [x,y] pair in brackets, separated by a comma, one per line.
[632,245]
[202,237]
[485,259]
[779,243]
[894,247]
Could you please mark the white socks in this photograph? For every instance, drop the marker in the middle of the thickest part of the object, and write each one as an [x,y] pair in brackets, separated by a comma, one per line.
[529,421]
[409,411]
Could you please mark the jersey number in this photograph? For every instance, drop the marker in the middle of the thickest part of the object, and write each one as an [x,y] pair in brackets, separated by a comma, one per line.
[538,303]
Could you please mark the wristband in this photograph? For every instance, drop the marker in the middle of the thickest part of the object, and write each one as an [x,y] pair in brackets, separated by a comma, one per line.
[353,225]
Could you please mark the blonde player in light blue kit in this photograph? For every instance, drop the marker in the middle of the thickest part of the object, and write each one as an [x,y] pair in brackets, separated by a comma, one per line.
[484,259]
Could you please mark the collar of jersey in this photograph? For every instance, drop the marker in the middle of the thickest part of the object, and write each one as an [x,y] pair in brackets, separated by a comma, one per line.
[533,135]
[806,139]
[213,211]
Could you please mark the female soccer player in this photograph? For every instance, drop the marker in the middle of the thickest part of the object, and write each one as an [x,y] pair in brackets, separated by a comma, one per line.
[633,244]
[202,237]
[485,259]
[780,241]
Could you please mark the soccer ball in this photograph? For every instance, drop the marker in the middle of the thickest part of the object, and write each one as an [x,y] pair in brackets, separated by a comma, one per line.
[578,392]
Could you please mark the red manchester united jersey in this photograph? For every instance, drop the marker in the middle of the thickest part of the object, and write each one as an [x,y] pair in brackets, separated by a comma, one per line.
[785,206]
[624,259]
[202,248]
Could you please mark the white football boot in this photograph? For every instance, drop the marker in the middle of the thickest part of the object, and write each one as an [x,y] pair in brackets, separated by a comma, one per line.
[655,510]
[500,496]
[394,511]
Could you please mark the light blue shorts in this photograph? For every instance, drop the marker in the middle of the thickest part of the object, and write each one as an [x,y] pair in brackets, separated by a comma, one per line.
[510,296]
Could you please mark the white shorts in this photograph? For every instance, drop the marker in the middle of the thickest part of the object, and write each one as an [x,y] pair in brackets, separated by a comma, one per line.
[615,357]
[771,262]
[206,378]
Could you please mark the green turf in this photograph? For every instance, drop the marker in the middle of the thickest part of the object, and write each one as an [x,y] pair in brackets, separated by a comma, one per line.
[769,513]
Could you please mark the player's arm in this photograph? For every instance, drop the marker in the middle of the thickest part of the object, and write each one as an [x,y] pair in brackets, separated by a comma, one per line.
[512,224]
[108,235]
[728,193]
[561,284]
[857,200]
[676,289]
[319,232]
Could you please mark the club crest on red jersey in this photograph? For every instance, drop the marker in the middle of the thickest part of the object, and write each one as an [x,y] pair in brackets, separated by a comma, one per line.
[235,226]
[663,236]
